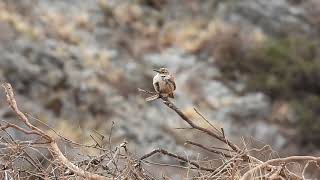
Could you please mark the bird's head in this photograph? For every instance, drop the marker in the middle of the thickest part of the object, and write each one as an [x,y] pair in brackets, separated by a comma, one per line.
[162,71]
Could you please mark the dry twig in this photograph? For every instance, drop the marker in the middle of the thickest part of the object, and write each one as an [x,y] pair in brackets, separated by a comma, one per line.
[162,151]
[53,146]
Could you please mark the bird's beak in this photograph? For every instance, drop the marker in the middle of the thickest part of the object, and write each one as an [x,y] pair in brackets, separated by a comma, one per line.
[156,70]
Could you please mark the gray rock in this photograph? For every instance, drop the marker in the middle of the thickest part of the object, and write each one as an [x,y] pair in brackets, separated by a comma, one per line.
[66,87]
[269,134]
[251,106]
[171,58]
[275,17]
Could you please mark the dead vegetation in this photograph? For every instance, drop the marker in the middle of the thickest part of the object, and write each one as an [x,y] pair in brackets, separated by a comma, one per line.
[141,28]
[40,156]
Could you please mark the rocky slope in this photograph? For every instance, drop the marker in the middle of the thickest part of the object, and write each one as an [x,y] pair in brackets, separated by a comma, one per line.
[77,65]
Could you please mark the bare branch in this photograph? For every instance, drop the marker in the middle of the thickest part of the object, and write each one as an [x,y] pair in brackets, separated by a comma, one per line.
[167,102]
[205,119]
[286,160]
[10,125]
[13,104]
[35,130]
[208,149]
[305,169]
[162,151]
[122,145]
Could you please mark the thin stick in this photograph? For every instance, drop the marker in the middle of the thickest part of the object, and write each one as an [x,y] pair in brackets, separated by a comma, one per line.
[305,168]
[286,160]
[52,143]
[122,145]
[146,91]
[205,119]
[208,149]
[97,143]
[162,151]
[167,102]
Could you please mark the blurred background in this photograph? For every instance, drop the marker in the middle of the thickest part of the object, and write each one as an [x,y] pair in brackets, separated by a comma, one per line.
[250,66]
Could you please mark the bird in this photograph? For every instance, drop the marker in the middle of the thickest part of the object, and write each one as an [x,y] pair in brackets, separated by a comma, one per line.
[163,83]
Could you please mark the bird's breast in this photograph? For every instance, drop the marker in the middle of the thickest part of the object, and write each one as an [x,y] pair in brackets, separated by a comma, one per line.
[161,85]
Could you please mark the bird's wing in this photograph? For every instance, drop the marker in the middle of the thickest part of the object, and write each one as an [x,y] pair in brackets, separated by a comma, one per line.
[156,86]
[171,95]
[170,79]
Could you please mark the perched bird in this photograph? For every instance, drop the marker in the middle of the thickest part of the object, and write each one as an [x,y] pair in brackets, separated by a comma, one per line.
[163,83]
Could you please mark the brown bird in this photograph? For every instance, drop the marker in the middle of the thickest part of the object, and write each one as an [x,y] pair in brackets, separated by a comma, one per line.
[163,83]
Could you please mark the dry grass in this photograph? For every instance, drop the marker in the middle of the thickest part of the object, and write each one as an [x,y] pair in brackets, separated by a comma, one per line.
[40,156]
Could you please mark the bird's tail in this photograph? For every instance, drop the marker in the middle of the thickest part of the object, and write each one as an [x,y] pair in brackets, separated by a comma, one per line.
[153,97]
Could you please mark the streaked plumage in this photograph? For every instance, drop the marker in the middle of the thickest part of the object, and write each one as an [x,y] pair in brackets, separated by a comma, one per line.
[163,83]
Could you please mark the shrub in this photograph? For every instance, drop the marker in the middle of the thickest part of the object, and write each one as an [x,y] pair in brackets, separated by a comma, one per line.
[289,69]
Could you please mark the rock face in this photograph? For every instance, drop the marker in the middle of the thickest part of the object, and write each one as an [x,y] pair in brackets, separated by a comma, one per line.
[85,71]
[275,17]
